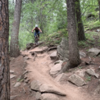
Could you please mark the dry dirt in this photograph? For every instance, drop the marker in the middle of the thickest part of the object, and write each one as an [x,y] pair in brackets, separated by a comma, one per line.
[38,67]
[22,92]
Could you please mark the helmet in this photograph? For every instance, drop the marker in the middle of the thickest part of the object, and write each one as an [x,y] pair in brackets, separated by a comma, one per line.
[36,25]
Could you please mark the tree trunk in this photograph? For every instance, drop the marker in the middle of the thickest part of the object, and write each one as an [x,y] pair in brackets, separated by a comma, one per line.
[80,27]
[4,58]
[14,45]
[99,8]
[31,26]
[74,58]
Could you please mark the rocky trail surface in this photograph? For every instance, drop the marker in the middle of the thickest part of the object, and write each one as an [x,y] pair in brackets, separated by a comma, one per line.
[37,75]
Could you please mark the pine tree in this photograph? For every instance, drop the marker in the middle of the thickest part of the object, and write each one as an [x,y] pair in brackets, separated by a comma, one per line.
[4,59]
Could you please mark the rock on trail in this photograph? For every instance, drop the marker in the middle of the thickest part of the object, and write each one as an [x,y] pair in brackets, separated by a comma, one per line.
[46,86]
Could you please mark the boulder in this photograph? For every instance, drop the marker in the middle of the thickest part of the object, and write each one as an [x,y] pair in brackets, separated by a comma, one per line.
[81,72]
[97,88]
[65,66]
[40,50]
[62,50]
[48,96]
[35,85]
[52,47]
[45,88]
[53,55]
[82,54]
[56,69]
[94,51]
[77,80]
[92,72]
[38,96]
[62,78]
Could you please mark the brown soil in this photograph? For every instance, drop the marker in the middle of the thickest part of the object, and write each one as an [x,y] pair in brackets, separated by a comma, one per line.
[38,66]
[23,91]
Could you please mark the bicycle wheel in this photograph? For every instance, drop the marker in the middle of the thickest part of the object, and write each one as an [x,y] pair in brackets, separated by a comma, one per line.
[36,39]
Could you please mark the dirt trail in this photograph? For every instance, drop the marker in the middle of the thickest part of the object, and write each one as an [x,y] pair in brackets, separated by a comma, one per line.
[39,70]
[21,92]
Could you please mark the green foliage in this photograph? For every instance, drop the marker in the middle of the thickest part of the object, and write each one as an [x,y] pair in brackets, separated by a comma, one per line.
[83,44]
[90,34]
[46,13]
[54,38]
[25,38]
[92,25]
[51,16]
[80,67]
[88,78]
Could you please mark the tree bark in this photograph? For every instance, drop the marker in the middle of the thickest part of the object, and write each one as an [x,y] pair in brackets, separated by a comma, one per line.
[74,59]
[80,27]
[4,58]
[99,8]
[14,45]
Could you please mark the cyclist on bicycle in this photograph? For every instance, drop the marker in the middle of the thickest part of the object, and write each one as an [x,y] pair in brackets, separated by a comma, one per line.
[37,31]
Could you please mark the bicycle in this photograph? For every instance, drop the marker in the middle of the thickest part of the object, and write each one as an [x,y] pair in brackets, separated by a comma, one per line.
[36,39]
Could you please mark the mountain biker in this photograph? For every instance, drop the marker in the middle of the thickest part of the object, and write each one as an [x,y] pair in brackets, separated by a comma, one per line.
[37,31]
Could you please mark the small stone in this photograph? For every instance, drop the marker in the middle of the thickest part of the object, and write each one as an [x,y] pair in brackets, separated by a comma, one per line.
[98,30]
[17,84]
[26,58]
[92,72]
[13,97]
[59,61]
[12,58]
[12,71]
[12,76]
[24,55]
[25,72]
[29,45]
[26,80]
[99,81]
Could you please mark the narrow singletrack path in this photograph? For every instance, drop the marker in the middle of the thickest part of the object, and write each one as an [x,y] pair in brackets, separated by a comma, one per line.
[39,67]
